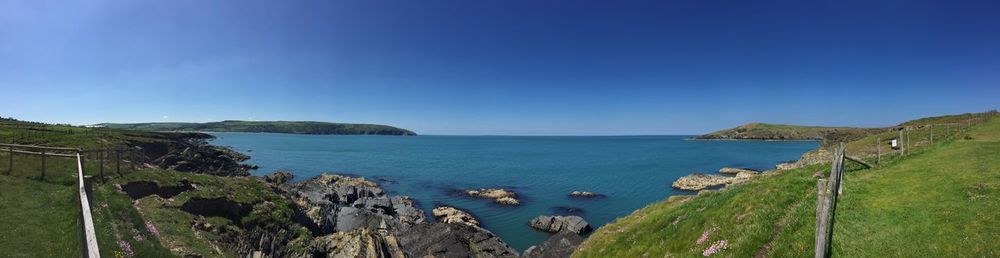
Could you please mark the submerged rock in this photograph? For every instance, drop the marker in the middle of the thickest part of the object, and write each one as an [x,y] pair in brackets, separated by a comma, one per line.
[553,224]
[561,244]
[566,210]
[447,214]
[498,195]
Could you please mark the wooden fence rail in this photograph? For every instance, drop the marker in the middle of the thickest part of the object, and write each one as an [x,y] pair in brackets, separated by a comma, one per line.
[88,231]
[826,203]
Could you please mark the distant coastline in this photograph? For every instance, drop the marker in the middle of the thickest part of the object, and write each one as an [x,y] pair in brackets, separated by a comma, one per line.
[289,127]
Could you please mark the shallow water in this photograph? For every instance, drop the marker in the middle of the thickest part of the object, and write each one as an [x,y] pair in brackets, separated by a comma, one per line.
[632,171]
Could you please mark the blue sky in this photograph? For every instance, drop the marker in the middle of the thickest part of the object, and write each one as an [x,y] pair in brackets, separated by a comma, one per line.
[500,67]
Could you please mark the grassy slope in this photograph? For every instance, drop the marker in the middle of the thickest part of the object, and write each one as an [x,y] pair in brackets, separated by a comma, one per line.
[40,216]
[762,131]
[176,233]
[19,132]
[295,127]
[938,202]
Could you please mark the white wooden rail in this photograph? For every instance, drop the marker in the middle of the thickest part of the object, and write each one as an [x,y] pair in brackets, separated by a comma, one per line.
[90,235]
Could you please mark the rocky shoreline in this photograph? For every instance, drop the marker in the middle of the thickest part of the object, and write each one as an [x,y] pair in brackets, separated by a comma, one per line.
[351,215]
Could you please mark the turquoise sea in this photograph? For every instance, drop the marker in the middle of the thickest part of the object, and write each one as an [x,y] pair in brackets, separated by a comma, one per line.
[632,171]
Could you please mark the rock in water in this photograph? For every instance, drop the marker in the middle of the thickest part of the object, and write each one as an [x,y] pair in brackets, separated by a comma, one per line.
[553,224]
[498,195]
[585,194]
[447,214]
[561,244]
[699,181]
[353,217]
[279,177]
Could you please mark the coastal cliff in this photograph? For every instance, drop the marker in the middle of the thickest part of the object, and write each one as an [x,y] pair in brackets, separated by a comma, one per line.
[290,127]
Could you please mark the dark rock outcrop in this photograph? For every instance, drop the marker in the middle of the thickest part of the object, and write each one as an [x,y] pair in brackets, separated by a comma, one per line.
[566,210]
[353,217]
[553,224]
[139,189]
[198,156]
[340,203]
[216,207]
[453,240]
[279,177]
[561,244]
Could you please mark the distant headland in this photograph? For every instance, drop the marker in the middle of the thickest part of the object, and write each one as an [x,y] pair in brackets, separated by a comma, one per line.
[290,127]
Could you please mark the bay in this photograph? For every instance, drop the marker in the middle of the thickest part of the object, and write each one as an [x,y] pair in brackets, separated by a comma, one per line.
[631,171]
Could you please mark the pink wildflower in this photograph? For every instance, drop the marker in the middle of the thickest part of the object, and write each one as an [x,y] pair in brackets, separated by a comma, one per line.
[137,235]
[715,248]
[705,235]
[152,229]
[126,248]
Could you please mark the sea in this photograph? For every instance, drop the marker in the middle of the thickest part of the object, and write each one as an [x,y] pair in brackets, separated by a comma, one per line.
[630,171]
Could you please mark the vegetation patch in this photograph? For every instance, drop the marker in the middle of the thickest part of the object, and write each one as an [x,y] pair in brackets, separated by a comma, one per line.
[939,201]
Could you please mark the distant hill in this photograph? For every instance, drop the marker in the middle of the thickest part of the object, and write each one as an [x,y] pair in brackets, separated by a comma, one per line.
[762,131]
[292,127]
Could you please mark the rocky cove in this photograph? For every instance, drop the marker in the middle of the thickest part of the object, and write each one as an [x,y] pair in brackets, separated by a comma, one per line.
[348,217]
[607,185]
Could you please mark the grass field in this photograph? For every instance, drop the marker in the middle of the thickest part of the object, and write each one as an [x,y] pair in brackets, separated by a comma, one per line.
[38,219]
[941,201]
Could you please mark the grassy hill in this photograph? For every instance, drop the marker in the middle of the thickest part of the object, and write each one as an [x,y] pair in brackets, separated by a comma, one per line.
[940,201]
[762,131]
[293,127]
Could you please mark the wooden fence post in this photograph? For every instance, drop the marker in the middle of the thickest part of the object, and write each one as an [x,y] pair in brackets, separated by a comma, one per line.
[827,204]
[878,150]
[932,133]
[43,163]
[101,157]
[899,142]
[10,160]
[908,150]
[118,161]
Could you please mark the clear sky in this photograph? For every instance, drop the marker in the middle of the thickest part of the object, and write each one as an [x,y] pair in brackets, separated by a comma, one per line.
[500,67]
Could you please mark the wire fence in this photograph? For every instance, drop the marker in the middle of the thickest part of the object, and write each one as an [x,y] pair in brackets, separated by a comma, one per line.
[900,141]
[58,165]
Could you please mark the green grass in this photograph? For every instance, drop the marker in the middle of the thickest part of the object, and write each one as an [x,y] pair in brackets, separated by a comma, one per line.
[38,219]
[294,127]
[941,201]
[175,226]
[116,219]
[30,133]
